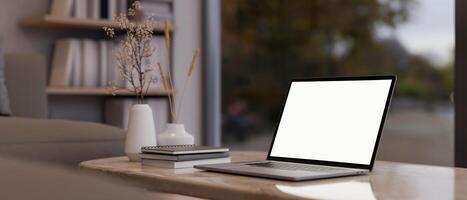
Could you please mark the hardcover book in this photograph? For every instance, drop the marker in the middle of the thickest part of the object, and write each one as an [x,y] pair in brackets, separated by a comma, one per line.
[183,164]
[187,157]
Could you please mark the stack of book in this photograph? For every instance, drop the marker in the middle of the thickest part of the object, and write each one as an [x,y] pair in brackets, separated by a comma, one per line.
[83,63]
[93,63]
[183,156]
[108,9]
[158,9]
[90,9]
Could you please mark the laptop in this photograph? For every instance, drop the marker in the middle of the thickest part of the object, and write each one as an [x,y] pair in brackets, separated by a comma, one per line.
[329,127]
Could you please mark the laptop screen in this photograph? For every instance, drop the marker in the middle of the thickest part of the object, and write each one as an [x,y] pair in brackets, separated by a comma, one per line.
[335,121]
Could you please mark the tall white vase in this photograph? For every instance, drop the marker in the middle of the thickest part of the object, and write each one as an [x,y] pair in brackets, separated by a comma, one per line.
[141,131]
[175,134]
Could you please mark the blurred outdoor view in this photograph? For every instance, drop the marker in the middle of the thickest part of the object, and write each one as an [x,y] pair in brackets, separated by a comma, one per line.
[267,43]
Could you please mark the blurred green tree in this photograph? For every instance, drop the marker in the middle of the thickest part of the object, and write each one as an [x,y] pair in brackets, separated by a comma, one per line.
[267,43]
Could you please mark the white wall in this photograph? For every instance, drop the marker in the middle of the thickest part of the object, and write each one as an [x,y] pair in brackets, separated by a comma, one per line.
[16,39]
[187,37]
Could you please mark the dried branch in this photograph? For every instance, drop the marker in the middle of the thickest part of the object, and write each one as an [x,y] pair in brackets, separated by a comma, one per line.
[133,59]
[134,49]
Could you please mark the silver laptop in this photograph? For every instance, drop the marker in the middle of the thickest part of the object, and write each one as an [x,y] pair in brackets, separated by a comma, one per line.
[329,127]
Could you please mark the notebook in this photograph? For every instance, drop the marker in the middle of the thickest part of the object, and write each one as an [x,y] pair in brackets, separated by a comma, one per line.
[183,164]
[186,157]
[182,149]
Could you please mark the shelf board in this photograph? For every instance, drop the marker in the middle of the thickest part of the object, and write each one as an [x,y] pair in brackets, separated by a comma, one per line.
[49,21]
[68,91]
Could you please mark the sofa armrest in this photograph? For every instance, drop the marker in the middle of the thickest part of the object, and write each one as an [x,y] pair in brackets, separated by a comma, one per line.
[60,141]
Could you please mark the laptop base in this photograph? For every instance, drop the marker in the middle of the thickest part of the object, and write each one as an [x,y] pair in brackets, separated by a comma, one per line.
[244,168]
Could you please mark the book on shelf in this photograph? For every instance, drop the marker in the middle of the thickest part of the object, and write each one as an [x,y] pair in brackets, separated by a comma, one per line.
[61,8]
[108,9]
[112,9]
[94,9]
[77,64]
[160,10]
[61,70]
[197,156]
[90,63]
[104,12]
[103,63]
[183,164]
[80,9]
[122,6]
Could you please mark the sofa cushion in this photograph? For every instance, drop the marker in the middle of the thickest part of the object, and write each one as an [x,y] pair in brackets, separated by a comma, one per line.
[14,130]
[59,141]
[66,153]
[4,104]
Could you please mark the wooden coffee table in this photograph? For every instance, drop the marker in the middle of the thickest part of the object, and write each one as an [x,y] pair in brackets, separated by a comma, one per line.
[389,180]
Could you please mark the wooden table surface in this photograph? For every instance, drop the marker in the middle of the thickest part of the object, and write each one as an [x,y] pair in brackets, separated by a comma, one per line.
[388,180]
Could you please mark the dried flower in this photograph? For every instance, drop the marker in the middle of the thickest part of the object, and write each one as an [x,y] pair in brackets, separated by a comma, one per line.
[109,31]
[133,58]
[133,9]
[134,52]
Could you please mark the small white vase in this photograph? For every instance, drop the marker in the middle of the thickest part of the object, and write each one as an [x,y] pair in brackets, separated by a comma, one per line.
[175,134]
[141,131]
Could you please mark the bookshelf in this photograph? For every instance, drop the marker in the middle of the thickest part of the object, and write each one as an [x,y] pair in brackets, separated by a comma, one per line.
[68,91]
[54,22]
[88,103]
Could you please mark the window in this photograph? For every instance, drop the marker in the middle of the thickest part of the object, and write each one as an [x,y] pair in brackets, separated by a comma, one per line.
[267,43]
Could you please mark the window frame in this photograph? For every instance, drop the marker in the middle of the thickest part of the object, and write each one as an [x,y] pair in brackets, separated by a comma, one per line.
[460,84]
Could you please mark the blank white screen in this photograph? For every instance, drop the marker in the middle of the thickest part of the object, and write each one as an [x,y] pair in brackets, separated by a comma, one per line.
[331,120]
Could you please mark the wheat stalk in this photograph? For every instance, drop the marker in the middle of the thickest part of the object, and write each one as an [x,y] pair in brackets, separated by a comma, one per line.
[169,75]
[166,87]
[167,33]
[190,72]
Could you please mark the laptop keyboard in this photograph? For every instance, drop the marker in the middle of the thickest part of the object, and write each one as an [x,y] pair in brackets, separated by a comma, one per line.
[294,167]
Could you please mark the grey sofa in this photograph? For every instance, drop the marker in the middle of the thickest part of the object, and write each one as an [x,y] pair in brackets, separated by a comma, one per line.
[28,134]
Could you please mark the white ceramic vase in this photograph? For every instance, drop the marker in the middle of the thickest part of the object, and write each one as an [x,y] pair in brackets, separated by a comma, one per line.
[175,134]
[141,131]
